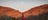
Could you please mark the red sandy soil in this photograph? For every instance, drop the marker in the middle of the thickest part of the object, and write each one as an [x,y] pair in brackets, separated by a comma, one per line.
[36,11]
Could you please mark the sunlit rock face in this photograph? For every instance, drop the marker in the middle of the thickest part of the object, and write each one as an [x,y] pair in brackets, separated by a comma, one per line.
[10,13]
[37,10]
[37,13]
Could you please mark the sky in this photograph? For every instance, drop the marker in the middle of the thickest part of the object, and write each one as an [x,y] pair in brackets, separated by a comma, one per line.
[22,5]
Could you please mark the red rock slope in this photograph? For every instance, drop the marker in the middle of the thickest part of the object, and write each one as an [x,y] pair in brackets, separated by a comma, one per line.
[32,12]
[9,12]
[36,11]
